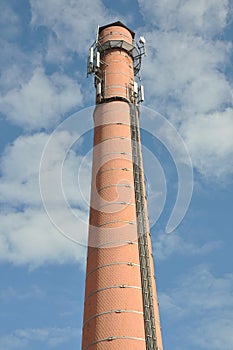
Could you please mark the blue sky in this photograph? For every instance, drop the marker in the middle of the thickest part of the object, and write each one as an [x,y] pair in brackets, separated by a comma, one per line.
[188,78]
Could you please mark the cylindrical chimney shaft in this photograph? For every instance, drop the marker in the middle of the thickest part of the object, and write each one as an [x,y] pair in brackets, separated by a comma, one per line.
[114,310]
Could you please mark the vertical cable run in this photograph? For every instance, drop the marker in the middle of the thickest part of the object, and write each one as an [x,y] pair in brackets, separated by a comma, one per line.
[146,278]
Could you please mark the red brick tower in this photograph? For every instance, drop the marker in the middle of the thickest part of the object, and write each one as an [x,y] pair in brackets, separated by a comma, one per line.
[121,308]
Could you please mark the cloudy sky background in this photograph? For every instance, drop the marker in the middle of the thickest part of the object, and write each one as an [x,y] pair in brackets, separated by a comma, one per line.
[188,78]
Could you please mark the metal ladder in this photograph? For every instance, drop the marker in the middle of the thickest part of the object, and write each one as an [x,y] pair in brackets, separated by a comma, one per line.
[146,278]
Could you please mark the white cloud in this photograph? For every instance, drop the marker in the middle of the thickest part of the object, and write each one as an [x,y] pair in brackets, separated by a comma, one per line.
[74,22]
[11,342]
[183,74]
[41,101]
[26,233]
[215,332]
[29,96]
[57,53]
[20,170]
[210,142]
[16,67]
[192,16]
[203,291]
[26,338]
[186,78]
[207,302]
[23,158]
[20,165]
[169,307]
[31,292]
[29,238]
[9,22]
[167,245]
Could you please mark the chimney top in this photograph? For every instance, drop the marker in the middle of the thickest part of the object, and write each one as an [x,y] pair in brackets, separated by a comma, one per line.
[117,24]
